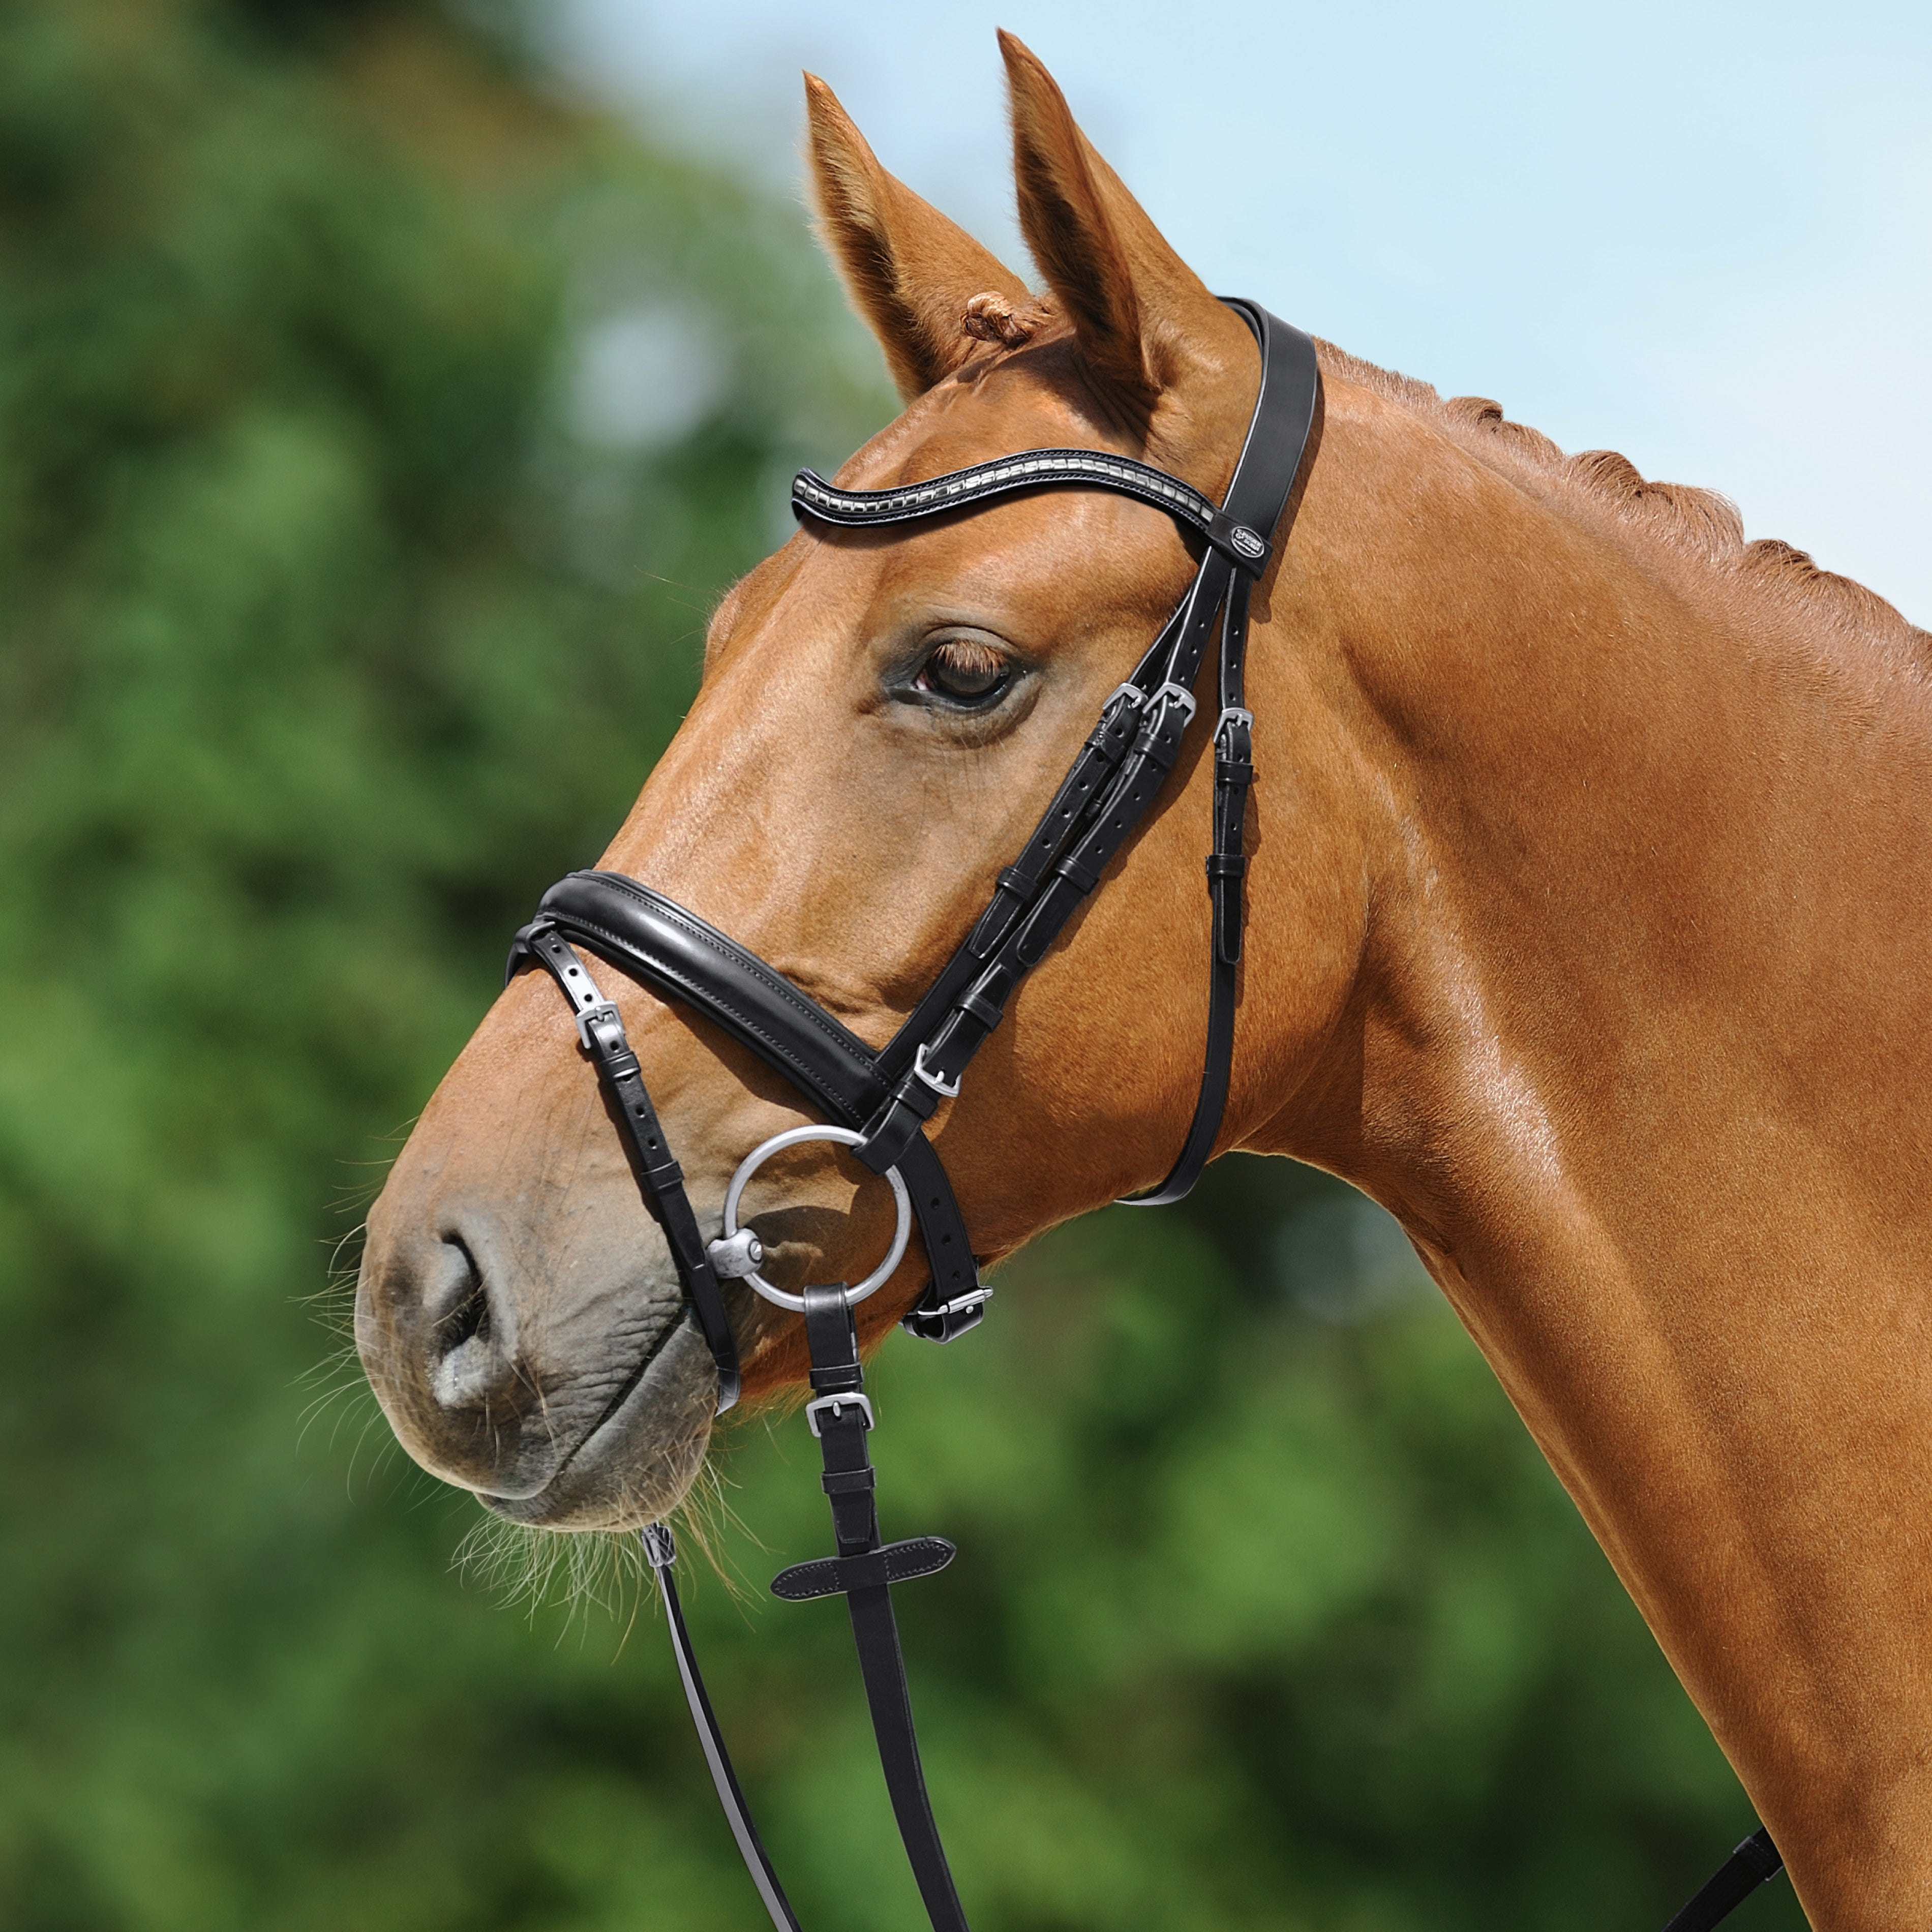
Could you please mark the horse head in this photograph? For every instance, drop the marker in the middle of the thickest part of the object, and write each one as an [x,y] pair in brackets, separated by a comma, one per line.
[883,715]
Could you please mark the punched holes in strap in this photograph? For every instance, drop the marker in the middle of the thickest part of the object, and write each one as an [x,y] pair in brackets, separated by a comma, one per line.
[600,1029]
[1227,865]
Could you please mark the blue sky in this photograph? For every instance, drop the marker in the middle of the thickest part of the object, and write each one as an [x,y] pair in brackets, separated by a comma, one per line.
[1701,235]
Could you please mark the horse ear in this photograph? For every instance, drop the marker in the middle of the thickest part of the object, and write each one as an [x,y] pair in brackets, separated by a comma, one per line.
[1138,311]
[911,272]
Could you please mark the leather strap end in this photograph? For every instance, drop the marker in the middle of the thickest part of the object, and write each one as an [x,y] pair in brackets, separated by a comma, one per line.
[521,951]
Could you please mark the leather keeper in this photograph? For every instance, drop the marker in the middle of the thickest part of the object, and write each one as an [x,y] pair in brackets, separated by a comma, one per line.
[846,1482]
[661,1180]
[1160,737]
[987,1013]
[942,1325]
[890,1133]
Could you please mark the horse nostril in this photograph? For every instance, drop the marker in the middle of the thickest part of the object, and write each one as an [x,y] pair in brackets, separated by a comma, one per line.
[469,1317]
[469,1368]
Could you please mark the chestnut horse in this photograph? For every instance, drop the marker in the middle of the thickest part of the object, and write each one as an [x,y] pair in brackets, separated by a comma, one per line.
[1592,860]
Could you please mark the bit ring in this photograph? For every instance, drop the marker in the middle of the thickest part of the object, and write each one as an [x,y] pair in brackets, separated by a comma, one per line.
[794,1137]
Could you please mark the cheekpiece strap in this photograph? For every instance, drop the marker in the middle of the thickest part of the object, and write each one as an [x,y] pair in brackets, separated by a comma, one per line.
[600,1029]
[1124,767]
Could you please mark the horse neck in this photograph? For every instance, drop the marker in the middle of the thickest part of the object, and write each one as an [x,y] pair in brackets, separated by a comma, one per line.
[1636,1051]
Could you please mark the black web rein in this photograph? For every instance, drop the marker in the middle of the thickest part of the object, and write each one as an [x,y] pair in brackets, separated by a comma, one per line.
[877,1104]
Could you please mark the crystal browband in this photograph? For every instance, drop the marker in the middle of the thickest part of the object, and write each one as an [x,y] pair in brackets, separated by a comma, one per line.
[1036,468]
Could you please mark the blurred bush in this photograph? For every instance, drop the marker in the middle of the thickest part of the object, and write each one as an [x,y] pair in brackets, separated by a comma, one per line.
[375,427]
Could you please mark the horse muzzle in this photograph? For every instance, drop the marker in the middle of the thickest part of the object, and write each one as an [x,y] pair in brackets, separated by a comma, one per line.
[580,1400]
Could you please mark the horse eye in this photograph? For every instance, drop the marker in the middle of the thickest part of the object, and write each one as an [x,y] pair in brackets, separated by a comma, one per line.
[967,672]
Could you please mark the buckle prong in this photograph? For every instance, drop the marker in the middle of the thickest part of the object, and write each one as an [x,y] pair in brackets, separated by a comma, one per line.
[1171,693]
[935,1081]
[604,1009]
[973,1298]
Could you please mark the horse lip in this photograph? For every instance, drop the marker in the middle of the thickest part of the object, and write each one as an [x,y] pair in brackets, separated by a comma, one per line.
[566,1482]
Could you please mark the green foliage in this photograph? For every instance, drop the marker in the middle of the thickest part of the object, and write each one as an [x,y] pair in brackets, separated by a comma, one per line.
[340,615]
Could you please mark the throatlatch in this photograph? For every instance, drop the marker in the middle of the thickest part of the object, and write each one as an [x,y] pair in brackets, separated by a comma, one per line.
[880,1103]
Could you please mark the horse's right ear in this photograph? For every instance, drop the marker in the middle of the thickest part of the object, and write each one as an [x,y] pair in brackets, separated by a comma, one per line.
[1141,315]
[911,272]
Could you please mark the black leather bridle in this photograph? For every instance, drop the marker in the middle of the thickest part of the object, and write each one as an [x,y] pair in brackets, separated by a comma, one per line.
[877,1104]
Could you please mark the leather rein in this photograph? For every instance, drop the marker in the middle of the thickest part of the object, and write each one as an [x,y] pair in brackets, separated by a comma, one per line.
[877,1104]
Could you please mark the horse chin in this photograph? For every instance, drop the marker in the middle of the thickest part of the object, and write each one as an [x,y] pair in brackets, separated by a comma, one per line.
[638,1463]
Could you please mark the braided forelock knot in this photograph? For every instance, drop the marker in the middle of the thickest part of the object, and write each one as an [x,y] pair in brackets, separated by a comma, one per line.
[992,317]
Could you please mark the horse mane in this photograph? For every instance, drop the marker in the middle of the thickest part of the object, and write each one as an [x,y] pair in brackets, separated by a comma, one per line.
[1700,524]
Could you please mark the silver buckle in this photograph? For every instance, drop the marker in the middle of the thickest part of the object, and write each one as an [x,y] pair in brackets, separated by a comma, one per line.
[1171,693]
[1235,713]
[833,1402]
[604,1009]
[933,1080]
[1132,693]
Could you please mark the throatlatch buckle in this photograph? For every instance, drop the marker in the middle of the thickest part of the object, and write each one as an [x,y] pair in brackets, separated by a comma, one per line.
[862,1402]
[605,1010]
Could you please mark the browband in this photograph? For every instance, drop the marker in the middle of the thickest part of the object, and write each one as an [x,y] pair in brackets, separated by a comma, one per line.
[1038,469]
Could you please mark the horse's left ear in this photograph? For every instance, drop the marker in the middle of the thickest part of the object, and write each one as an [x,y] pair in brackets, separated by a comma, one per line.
[914,275]
[1142,316]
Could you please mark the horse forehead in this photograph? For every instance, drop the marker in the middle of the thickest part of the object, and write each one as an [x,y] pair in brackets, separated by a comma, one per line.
[958,425]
